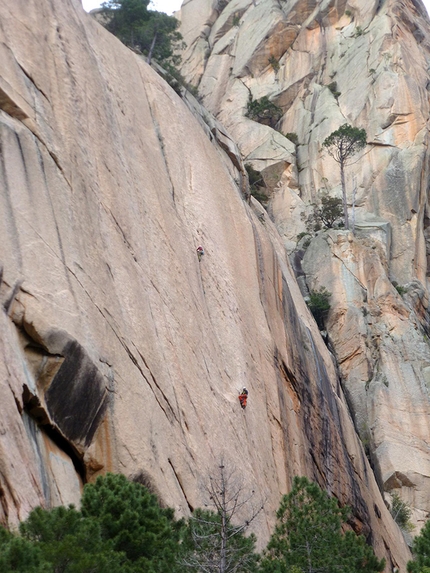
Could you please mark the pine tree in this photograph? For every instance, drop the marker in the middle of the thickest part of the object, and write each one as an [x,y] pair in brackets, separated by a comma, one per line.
[421,552]
[154,33]
[341,145]
[19,555]
[70,543]
[309,538]
[132,519]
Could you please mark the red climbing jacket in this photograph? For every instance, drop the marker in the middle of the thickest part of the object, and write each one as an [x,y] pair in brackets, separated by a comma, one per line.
[242,399]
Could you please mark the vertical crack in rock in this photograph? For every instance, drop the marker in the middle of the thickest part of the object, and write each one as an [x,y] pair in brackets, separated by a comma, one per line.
[178,479]
[161,142]
[166,400]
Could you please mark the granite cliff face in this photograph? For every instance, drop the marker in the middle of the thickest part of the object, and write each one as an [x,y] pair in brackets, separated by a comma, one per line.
[120,351]
[325,64]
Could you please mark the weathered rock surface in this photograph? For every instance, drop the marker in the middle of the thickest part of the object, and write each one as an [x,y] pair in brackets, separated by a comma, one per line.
[120,351]
[364,63]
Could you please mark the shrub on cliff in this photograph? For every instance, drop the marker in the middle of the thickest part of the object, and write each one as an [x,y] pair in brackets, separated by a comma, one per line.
[256,184]
[328,212]
[319,305]
[401,512]
[308,536]
[263,110]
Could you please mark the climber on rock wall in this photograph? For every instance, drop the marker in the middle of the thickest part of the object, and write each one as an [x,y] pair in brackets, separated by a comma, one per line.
[200,252]
[243,397]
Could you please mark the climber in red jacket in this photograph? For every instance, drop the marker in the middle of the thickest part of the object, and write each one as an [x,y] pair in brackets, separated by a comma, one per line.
[243,397]
[200,253]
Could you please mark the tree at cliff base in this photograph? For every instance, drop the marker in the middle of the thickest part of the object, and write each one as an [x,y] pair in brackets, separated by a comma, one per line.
[308,537]
[132,519]
[215,541]
[121,528]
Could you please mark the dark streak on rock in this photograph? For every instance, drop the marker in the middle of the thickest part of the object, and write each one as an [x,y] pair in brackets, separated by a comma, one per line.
[9,301]
[40,419]
[308,378]
[77,397]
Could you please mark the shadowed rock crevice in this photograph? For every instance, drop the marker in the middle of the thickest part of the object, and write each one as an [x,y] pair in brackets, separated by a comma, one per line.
[36,412]
[10,107]
[77,397]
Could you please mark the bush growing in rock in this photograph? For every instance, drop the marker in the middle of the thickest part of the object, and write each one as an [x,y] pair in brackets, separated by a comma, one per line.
[293,137]
[263,110]
[326,215]
[319,305]
[256,184]
[401,512]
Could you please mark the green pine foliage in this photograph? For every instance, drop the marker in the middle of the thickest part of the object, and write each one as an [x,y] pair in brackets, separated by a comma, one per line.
[421,551]
[401,512]
[19,555]
[345,142]
[319,305]
[308,536]
[120,529]
[71,543]
[132,519]
[263,110]
[155,34]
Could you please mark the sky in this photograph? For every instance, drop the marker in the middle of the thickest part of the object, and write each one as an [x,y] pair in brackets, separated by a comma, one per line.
[168,6]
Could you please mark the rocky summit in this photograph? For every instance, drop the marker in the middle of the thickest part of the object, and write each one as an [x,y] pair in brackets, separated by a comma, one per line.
[124,350]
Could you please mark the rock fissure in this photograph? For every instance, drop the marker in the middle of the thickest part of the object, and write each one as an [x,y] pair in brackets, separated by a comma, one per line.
[181,487]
